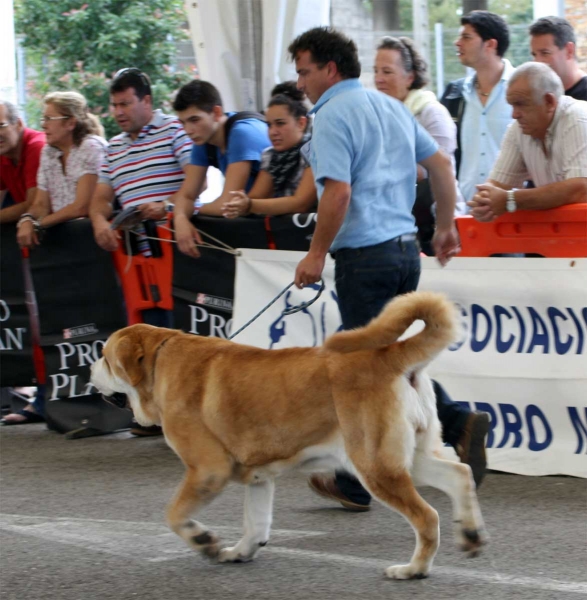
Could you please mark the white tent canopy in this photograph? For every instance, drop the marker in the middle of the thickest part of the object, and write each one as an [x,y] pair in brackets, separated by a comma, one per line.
[243,62]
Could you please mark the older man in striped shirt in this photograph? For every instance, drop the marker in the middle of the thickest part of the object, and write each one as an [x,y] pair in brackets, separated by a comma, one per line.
[547,145]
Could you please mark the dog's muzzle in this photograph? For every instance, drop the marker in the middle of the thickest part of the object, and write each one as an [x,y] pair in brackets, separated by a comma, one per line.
[117,399]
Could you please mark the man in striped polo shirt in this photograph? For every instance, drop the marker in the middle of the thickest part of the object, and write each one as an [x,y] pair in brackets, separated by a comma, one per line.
[547,144]
[145,164]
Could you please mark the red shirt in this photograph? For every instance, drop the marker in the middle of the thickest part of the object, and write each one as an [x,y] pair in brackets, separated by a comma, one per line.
[17,179]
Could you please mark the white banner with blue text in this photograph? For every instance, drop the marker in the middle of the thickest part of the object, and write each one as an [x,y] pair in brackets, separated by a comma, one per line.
[521,356]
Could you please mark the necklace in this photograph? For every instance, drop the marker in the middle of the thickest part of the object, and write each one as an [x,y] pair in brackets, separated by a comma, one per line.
[478,88]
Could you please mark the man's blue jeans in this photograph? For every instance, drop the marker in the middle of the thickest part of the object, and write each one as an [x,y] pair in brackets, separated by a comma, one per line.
[366,280]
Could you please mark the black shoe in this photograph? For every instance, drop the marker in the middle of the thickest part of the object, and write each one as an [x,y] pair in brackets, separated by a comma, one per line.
[326,487]
[471,445]
[144,431]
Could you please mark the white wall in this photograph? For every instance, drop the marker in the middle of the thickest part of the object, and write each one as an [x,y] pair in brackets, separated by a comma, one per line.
[548,8]
[7,52]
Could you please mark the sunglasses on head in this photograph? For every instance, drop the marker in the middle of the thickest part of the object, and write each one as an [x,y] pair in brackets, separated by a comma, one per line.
[132,71]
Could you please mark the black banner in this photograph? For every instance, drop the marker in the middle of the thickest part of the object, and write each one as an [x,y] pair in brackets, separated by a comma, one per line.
[203,288]
[292,232]
[16,354]
[80,305]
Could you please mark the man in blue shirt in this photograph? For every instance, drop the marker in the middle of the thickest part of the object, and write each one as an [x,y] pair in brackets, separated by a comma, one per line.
[199,108]
[363,154]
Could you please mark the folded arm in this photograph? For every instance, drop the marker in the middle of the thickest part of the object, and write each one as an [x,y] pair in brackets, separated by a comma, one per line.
[303,199]
[490,200]
[236,178]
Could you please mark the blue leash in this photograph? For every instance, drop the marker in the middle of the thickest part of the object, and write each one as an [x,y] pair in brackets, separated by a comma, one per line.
[286,311]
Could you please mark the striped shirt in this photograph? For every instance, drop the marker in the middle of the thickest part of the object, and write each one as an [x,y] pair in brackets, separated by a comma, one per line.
[149,168]
[522,156]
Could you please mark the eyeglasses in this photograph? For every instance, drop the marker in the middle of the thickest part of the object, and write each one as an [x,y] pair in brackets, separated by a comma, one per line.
[44,119]
[132,71]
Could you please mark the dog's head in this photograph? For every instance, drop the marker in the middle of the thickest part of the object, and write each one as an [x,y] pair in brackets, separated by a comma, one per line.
[127,367]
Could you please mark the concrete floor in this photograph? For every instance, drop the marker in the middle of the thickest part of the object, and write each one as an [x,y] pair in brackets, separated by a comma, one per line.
[84,520]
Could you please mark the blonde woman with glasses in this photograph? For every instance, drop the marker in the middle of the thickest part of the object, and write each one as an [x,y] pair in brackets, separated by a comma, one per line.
[70,163]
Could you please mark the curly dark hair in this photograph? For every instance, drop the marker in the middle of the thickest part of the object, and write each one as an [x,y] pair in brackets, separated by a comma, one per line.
[199,94]
[412,61]
[489,26]
[287,94]
[559,28]
[326,44]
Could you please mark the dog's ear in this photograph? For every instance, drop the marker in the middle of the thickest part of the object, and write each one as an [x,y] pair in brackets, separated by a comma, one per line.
[131,354]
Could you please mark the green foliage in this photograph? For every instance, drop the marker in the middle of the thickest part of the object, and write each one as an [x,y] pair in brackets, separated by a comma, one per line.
[448,12]
[518,16]
[80,46]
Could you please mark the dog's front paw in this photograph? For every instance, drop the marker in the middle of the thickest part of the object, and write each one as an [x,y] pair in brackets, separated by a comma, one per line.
[405,572]
[234,555]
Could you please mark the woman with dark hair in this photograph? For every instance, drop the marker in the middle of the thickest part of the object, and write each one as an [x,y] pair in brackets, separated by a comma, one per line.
[401,72]
[284,184]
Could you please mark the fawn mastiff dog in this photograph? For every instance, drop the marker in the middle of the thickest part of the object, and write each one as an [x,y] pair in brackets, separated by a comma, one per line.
[361,402]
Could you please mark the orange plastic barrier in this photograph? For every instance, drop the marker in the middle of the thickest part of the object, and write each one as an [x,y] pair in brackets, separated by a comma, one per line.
[146,283]
[555,233]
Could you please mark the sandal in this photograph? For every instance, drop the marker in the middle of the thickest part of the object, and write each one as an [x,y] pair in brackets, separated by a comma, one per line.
[29,417]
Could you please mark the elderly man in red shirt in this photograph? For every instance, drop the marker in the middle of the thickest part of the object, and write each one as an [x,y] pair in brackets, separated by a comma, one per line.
[20,152]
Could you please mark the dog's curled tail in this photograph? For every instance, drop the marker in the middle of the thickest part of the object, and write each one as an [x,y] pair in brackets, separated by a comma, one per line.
[437,312]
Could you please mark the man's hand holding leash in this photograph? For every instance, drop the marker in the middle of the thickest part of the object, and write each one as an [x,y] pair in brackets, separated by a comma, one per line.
[309,270]
[331,213]
[186,234]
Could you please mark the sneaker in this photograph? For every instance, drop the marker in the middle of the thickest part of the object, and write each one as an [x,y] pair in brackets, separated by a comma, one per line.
[326,487]
[471,445]
[142,431]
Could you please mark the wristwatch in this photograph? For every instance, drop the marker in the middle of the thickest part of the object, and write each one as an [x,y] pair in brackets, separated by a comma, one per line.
[511,205]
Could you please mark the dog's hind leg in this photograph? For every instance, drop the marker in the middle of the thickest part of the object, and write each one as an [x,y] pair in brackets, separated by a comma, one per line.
[257,523]
[199,487]
[455,480]
[395,488]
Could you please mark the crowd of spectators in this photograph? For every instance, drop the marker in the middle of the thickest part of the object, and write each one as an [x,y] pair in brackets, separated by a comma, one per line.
[500,139]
